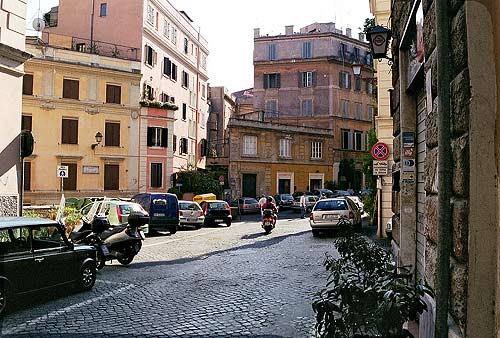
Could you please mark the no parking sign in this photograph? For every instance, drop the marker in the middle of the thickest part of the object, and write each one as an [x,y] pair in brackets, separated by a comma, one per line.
[380,151]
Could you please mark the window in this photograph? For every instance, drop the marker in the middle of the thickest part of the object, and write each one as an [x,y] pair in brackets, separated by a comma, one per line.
[26,122]
[148,92]
[157,20]
[156,175]
[151,15]
[71,89]
[157,137]
[358,111]
[203,91]
[358,140]
[316,150]
[345,108]
[69,131]
[174,143]
[27,176]
[306,50]
[286,148]
[111,177]
[271,52]
[70,181]
[149,53]
[173,38]
[307,107]
[346,134]
[173,76]
[357,84]
[369,88]
[112,134]
[185,79]
[370,113]
[249,145]
[306,79]
[164,97]
[166,29]
[345,80]
[167,67]
[28,84]
[15,240]
[183,146]
[113,94]
[80,47]
[356,54]
[343,50]
[104,9]
[271,107]
[272,80]
[184,111]
[186,45]
[203,61]
[203,147]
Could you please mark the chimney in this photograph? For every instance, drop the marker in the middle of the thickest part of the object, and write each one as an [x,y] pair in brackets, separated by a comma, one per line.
[362,37]
[348,32]
[289,30]
[256,33]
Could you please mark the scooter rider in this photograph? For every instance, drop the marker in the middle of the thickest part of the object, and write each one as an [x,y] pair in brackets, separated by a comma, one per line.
[270,205]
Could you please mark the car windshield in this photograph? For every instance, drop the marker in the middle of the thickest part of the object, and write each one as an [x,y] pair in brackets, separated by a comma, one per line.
[250,201]
[322,205]
[217,205]
[125,209]
[287,197]
[188,206]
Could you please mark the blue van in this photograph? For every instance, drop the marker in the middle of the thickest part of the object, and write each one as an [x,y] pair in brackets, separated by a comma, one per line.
[163,209]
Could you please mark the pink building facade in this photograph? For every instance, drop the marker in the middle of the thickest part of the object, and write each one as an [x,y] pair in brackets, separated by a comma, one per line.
[173,59]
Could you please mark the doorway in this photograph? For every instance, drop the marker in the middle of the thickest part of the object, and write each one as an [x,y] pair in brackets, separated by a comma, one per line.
[249,188]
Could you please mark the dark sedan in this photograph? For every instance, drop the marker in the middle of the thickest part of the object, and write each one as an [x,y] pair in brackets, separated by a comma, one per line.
[216,212]
[246,205]
[35,254]
[284,201]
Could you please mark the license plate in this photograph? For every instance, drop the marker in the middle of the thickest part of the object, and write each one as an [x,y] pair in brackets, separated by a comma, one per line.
[219,220]
[159,214]
[105,250]
[192,219]
[331,216]
[267,223]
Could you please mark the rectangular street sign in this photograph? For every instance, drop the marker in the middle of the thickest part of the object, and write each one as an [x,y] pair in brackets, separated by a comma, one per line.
[380,168]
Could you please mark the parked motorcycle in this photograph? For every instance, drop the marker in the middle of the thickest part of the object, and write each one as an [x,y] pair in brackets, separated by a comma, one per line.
[268,220]
[122,242]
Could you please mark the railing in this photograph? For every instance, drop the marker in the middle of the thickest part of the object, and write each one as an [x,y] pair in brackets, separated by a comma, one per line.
[91,47]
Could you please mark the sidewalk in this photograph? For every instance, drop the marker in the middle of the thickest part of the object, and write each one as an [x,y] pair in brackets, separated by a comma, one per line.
[370,231]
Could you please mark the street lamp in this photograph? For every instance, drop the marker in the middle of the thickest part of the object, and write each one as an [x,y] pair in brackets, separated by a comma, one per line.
[378,38]
[98,139]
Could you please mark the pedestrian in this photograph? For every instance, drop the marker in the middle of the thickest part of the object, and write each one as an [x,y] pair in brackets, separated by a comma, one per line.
[303,205]
[262,202]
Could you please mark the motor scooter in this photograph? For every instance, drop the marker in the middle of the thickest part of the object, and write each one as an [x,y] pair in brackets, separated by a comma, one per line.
[268,220]
[122,242]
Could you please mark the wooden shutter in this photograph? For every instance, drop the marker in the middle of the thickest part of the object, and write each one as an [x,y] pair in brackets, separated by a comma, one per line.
[28,84]
[174,144]
[266,81]
[27,176]
[349,81]
[146,54]
[313,79]
[340,80]
[112,134]
[26,122]
[164,137]
[150,136]
[70,181]
[111,176]
[301,79]
[70,89]
[174,71]
[278,80]
[69,131]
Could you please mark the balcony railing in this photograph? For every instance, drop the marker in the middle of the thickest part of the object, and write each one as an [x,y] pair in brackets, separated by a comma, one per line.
[91,47]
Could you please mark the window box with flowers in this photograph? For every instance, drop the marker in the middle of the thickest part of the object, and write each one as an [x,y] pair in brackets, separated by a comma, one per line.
[158,104]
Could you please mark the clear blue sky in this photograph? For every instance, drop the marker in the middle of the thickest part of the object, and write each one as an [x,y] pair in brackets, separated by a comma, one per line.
[228,27]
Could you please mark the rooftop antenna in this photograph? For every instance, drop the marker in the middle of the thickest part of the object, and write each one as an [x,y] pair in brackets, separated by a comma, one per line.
[38,23]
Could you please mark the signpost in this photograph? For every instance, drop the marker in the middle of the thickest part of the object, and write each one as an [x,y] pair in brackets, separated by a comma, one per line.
[62,172]
[380,152]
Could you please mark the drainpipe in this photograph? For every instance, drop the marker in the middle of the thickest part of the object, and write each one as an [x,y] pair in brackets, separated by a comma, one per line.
[92,28]
[444,241]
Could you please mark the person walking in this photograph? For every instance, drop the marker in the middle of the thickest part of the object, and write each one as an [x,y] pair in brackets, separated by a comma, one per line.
[262,201]
[303,205]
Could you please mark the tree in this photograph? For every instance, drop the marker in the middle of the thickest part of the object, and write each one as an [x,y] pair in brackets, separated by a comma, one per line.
[369,24]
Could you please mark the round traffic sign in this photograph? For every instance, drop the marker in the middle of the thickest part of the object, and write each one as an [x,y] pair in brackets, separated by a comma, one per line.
[221,178]
[380,151]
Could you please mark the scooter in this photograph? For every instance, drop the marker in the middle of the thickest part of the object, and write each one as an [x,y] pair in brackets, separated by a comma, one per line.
[268,220]
[121,242]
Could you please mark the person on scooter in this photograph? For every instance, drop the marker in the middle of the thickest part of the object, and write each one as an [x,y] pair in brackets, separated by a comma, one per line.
[270,205]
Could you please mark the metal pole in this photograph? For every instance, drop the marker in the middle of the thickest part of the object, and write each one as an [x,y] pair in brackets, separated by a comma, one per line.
[92,28]
[21,187]
[444,241]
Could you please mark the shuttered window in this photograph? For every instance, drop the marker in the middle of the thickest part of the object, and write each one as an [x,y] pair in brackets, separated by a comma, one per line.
[306,50]
[272,80]
[112,134]
[26,123]
[113,94]
[28,84]
[306,79]
[157,137]
[70,181]
[111,176]
[71,89]
[69,131]
[27,176]
[156,175]
[344,80]
[167,67]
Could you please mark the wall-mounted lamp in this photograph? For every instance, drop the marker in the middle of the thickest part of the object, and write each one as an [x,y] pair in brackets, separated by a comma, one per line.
[98,139]
[378,37]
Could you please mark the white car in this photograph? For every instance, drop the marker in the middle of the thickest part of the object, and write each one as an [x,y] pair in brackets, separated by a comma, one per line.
[328,213]
[190,213]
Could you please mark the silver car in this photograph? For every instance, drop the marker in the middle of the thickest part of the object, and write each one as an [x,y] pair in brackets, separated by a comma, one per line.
[327,214]
[190,213]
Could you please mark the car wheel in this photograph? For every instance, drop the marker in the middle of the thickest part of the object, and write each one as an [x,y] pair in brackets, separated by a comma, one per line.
[172,230]
[101,260]
[87,277]
[3,298]
[126,260]
[228,223]
[315,233]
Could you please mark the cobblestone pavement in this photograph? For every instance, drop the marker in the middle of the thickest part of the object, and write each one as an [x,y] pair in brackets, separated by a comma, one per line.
[212,282]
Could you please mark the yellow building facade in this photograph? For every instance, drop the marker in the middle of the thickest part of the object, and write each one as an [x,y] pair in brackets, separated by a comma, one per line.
[69,100]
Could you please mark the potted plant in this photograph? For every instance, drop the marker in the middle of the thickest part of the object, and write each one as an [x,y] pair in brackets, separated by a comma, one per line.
[366,294]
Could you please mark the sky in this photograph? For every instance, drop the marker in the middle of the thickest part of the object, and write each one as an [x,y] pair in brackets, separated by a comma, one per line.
[228,26]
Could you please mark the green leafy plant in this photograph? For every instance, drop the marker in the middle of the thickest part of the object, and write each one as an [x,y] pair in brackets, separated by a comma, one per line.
[366,294]
[158,104]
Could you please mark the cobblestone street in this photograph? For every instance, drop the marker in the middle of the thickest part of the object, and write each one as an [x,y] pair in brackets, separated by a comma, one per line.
[212,282]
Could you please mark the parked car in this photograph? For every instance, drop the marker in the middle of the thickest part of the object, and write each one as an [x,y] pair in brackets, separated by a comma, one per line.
[323,192]
[190,213]
[299,193]
[115,210]
[366,191]
[163,210]
[327,213]
[359,203]
[284,201]
[337,193]
[216,212]
[246,205]
[35,255]
[310,202]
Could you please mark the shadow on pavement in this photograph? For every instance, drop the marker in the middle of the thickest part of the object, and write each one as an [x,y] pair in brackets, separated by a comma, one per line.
[145,335]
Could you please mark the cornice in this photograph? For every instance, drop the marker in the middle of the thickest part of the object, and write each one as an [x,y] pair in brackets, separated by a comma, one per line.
[14,54]
[87,106]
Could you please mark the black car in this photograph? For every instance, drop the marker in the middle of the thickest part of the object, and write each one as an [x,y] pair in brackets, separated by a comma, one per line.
[216,212]
[284,201]
[35,254]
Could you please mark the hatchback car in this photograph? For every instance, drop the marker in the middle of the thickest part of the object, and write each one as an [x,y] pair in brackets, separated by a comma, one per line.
[328,213]
[284,201]
[216,212]
[191,214]
[246,205]
[35,254]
